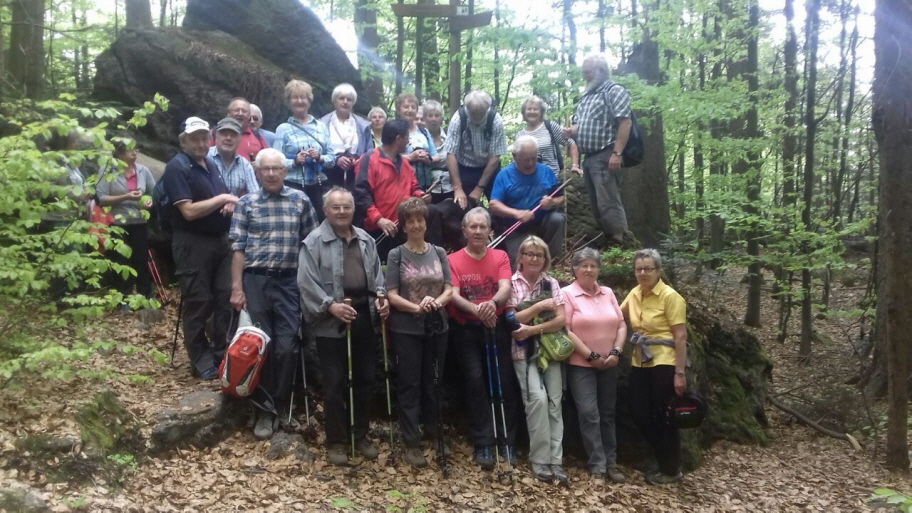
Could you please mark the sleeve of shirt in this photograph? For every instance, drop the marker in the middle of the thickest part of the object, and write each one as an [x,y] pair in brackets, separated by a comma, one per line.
[392,268]
[314,300]
[103,188]
[364,195]
[498,141]
[176,185]
[239,222]
[373,267]
[499,191]
[627,301]
[445,264]
[503,271]
[620,102]
[249,176]
[569,307]
[329,158]
[148,179]
[281,143]
[675,309]
[308,218]
[515,298]
[431,148]
[557,292]
[452,141]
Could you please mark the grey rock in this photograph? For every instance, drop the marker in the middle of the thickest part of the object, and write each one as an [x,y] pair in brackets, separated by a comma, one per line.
[201,418]
[21,499]
[41,445]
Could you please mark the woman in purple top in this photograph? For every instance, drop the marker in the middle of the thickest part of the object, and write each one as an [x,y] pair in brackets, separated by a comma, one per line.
[419,286]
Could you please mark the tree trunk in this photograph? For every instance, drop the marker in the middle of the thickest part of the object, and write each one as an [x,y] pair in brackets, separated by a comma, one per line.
[163,13]
[893,125]
[139,14]
[369,63]
[26,49]
[812,31]
[752,131]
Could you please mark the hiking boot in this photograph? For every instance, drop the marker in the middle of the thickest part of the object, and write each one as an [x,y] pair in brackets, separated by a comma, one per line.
[337,455]
[367,449]
[414,457]
[661,478]
[542,472]
[597,478]
[265,426]
[615,475]
[209,374]
[484,457]
[558,472]
[508,453]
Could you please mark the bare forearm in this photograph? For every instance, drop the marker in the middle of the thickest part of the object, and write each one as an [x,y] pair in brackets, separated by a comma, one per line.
[237,270]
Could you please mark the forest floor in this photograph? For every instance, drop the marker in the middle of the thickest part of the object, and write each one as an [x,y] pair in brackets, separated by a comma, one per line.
[800,469]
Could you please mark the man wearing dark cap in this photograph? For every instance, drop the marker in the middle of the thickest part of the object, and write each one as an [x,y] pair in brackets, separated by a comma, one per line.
[236,171]
[250,142]
[201,209]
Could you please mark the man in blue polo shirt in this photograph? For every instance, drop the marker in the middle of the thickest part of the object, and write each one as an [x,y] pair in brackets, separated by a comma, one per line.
[201,214]
[518,188]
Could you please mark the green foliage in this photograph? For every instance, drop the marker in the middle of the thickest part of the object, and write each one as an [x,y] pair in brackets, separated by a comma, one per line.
[900,501]
[52,278]
[409,502]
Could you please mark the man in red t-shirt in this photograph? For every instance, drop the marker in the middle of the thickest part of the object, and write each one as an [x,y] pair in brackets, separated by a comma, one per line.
[251,142]
[481,288]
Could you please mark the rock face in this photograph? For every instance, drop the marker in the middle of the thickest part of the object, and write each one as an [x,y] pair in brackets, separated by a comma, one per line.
[214,58]
[199,418]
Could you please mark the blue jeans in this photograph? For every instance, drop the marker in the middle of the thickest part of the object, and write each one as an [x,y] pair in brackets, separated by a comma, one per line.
[595,394]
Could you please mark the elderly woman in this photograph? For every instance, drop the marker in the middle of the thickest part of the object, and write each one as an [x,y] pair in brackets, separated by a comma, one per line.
[657,316]
[538,296]
[345,135]
[548,135]
[124,191]
[433,119]
[596,327]
[420,150]
[373,134]
[256,125]
[419,285]
[305,142]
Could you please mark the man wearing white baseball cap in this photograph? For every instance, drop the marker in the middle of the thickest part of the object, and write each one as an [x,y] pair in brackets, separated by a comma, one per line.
[200,215]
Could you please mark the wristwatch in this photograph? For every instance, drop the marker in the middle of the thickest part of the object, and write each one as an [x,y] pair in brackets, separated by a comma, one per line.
[593,356]
[496,303]
[615,352]
[618,153]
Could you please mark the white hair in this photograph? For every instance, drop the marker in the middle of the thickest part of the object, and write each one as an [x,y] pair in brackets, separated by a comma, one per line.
[255,108]
[477,101]
[344,89]
[599,63]
[265,153]
[523,141]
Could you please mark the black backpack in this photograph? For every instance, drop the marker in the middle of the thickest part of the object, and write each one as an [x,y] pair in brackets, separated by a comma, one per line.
[635,150]
[557,148]
[161,203]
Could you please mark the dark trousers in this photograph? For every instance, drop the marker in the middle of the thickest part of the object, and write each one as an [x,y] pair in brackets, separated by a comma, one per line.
[595,394]
[334,365]
[415,393]
[137,237]
[470,176]
[274,306]
[470,342]
[650,389]
[204,267]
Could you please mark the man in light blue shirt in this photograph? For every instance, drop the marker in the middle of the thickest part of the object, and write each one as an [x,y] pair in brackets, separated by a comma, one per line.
[236,170]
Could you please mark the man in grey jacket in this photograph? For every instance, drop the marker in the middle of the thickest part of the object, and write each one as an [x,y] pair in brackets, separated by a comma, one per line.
[339,261]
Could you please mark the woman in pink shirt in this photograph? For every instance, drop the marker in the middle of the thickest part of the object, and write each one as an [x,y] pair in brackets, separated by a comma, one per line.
[596,326]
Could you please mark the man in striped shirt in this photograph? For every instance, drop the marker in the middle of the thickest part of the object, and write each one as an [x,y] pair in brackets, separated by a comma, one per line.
[601,128]
[266,233]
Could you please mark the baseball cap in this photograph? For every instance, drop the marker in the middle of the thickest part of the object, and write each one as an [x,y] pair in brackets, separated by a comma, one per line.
[228,124]
[194,124]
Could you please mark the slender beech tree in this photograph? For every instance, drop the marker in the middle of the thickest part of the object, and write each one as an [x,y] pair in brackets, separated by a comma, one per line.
[26,50]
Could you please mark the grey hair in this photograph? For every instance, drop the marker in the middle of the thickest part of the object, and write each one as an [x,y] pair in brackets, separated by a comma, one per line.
[648,253]
[523,141]
[268,152]
[600,63]
[474,212]
[344,89]
[375,110]
[336,189]
[432,106]
[585,254]
[542,106]
[477,101]
[255,107]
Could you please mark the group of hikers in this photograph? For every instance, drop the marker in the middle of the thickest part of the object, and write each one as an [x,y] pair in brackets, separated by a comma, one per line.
[336,230]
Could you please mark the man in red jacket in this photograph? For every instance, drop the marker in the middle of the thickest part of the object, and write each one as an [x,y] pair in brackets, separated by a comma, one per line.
[383,180]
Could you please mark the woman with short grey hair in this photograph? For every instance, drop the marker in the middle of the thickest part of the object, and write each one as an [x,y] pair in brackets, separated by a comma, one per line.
[596,326]
[548,135]
[433,121]
[345,129]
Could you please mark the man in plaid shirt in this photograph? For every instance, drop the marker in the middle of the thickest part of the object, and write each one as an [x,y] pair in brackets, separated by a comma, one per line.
[267,228]
[601,128]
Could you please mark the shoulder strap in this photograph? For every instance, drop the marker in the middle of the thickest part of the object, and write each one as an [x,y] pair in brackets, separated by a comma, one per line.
[489,125]
[557,148]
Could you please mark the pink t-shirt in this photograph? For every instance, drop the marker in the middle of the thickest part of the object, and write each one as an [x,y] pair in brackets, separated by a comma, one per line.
[593,318]
[476,279]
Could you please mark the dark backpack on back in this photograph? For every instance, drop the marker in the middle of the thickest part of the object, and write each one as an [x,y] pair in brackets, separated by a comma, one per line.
[557,148]
[635,150]
[161,203]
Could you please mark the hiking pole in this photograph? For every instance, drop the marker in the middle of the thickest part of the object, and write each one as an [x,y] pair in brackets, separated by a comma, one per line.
[351,389]
[517,224]
[180,311]
[488,343]
[304,379]
[500,397]
[383,235]
[156,277]
[389,400]
[441,451]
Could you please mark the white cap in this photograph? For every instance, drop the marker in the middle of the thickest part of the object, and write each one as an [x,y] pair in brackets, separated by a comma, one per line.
[194,124]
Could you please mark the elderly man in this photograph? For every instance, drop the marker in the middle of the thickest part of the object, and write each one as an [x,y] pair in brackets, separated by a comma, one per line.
[518,189]
[601,128]
[481,288]
[200,216]
[266,231]
[256,125]
[251,142]
[236,171]
[475,142]
[384,179]
[340,261]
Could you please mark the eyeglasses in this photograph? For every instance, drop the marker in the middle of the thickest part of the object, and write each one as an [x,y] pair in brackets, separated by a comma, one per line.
[340,208]
[272,169]
[534,256]
[641,270]
[254,118]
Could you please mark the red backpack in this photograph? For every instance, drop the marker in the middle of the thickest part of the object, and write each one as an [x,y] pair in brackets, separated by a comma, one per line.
[239,371]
